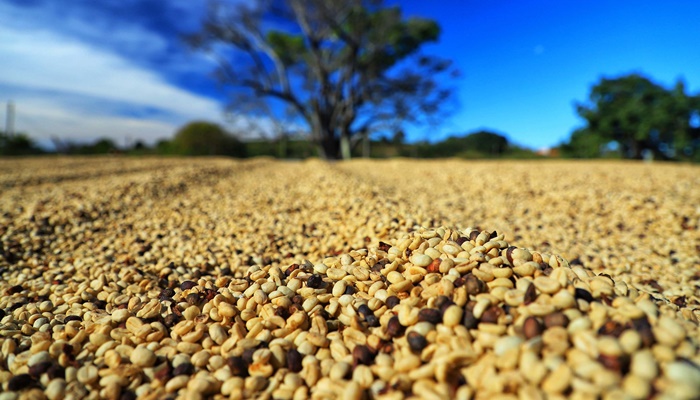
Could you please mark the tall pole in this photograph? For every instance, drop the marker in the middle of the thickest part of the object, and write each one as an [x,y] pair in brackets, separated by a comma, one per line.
[10,122]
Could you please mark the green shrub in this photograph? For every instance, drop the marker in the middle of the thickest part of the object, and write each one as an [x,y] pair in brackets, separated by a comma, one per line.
[201,138]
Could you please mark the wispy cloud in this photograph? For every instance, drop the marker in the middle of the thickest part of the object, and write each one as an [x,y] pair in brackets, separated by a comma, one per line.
[43,60]
[68,85]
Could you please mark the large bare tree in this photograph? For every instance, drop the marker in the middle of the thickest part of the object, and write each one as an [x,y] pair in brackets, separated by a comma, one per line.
[347,68]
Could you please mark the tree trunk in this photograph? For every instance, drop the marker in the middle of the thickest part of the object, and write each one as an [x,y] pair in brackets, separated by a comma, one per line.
[282,147]
[329,145]
[345,146]
[366,146]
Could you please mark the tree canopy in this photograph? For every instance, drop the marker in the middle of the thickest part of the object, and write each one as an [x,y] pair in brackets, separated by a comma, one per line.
[477,144]
[201,138]
[640,116]
[345,68]
[19,144]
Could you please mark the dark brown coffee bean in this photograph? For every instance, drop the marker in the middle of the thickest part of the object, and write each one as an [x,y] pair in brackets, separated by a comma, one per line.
[14,289]
[556,319]
[193,299]
[187,285]
[239,367]
[166,294]
[583,294]
[171,320]
[442,302]
[298,300]
[643,327]
[283,312]
[39,368]
[248,355]
[620,363]
[475,285]
[532,327]
[431,315]
[127,395]
[70,318]
[372,321]
[294,360]
[509,254]
[680,301]
[391,302]
[469,320]
[416,341]
[184,368]
[492,314]
[530,294]
[19,382]
[291,269]
[100,304]
[163,372]
[361,354]
[364,310]
[612,328]
[394,327]
[314,281]
[56,371]
[209,294]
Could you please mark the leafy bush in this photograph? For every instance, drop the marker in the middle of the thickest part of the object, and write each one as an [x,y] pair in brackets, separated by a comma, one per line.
[200,138]
[17,145]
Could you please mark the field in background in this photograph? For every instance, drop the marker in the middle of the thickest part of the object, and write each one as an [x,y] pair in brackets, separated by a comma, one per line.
[637,220]
[639,223]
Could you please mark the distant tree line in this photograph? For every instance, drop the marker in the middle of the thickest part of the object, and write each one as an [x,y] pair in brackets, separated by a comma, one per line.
[19,144]
[202,138]
[633,117]
[625,117]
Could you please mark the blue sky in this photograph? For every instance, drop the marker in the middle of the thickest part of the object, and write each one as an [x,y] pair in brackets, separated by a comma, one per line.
[84,69]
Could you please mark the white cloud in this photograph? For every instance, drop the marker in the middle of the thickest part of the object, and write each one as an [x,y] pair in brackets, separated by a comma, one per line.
[66,88]
[42,60]
[69,88]
[44,119]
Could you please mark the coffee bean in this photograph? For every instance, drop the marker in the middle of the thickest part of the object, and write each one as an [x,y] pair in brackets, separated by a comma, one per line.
[184,368]
[193,299]
[394,327]
[556,319]
[39,368]
[361,354]
[583,294]
[530,294]
[532,327]
[239,367]
[475,285]
[391,302]
[294,360]
[21,381]
[314,281]
[469,320]
[431,315]
[492,314]
[416,341]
